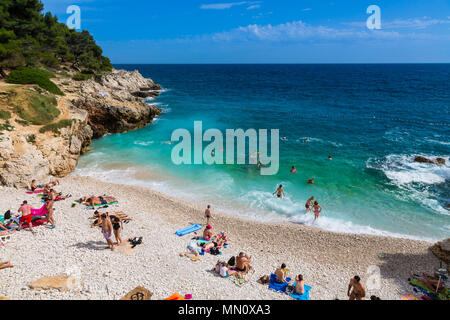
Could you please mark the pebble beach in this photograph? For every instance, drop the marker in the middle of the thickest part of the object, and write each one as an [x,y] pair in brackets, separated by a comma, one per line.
[327,260]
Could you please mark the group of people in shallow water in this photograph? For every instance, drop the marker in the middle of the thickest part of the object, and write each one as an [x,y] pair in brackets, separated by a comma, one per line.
[311,204]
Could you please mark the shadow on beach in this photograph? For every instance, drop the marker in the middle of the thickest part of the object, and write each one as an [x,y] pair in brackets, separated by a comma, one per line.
[91,245]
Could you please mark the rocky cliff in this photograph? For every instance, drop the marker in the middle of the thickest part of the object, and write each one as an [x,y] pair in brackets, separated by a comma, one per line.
[110,103]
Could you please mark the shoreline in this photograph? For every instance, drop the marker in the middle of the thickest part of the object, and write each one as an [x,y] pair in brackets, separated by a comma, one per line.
[326,259]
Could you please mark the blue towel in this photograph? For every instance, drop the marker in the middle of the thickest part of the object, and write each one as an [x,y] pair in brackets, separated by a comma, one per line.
[304,296]
[274,285]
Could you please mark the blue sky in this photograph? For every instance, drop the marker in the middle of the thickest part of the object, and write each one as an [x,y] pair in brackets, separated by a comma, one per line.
[282,31]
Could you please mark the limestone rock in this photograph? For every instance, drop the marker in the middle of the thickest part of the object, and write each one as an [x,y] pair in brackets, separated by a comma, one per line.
[442,250]
[59,282]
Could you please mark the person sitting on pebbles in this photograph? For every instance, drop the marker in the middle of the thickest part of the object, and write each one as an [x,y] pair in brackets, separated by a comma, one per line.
[281,274]
[243,263]
[207,233]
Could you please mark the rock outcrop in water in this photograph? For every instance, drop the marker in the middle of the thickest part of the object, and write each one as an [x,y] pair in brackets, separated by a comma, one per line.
[106,104]
[421,159]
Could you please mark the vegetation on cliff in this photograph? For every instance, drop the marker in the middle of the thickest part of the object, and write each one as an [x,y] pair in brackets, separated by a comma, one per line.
[30,38]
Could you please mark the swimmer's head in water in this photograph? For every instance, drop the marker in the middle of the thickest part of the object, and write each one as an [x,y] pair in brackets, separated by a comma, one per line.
[316,203]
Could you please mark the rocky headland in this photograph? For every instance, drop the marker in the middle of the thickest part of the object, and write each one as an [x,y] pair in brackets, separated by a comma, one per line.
[107,103]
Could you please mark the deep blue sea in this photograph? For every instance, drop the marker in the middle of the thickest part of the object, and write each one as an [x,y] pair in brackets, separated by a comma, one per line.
[372,120]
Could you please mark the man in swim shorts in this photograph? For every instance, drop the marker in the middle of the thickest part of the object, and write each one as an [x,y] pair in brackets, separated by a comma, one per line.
[279,192]
[359,291]
[25,210]
[107,230]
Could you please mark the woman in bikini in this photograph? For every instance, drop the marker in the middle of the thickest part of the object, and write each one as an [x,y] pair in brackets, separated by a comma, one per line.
[279,192]
[317,210]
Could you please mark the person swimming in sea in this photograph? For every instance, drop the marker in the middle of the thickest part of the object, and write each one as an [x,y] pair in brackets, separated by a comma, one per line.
[279,192]
[293,170]
[311,181]
[329,157]
[305,140]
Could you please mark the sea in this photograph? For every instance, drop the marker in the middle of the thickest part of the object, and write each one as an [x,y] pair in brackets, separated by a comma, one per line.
[372,119]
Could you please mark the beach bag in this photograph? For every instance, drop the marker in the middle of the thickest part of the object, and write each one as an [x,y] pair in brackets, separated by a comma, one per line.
[232,261]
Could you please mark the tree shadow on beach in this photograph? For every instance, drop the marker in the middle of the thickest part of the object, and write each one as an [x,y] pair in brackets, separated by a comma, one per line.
[92,245]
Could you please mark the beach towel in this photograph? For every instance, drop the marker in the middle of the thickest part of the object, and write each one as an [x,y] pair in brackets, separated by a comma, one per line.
[409,296]
[304,296]
[39,212]
[35,191]
[190,229]
[423,288]
[238,280]
[101,205]
[175,296]
[274,285]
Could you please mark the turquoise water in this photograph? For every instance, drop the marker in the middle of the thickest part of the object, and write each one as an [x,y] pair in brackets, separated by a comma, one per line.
[372,119]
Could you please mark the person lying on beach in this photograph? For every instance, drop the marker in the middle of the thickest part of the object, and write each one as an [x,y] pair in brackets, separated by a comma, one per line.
[243,263]
[208,214]
[6,264]
[359,291]
[281,274]
[279,192]
[299,285]
[311,181]
[431,283]
[53,195]
[25,210]
[293,170]
[308,204]
[93,200]
[107,230]
[317,210]
[207,233]
[112,215]
[218,241]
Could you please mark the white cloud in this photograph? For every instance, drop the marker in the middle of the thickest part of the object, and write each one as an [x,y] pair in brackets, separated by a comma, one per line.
[307,9]
[228,5]
[255,6]
[222,6]
[412,23]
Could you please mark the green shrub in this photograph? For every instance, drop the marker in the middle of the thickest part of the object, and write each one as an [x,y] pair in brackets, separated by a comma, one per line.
[65,123]
[5,114]
[23,122]
[31,139]
[6,126]
[39,109]
[26,75]
[82,76]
